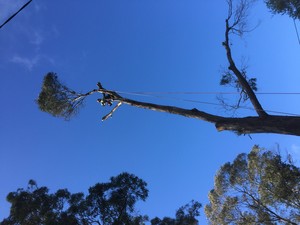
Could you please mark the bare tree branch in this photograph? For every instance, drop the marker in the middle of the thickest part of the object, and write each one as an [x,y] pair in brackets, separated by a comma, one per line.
[241,125]
[193,113]
[239,17]
[112,111]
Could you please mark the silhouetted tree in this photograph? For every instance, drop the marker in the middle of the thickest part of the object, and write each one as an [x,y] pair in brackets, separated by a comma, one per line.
[60,101]
[185,215]
[110,203]
[34,205]
[113,203]
[257,188]
[289,7]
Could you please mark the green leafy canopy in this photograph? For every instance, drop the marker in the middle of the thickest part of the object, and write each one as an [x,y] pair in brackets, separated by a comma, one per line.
[109,203]
[289,7]
[257,188]
[57,99]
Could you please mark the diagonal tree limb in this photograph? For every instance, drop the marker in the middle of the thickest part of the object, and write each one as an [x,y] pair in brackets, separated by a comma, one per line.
[58,100]
[256,104]
[274,214]
[112,111]
[243,125]
[193,113]
[238,16]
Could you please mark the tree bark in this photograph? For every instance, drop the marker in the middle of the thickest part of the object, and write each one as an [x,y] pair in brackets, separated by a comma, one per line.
[257,106]
[289,125]
[271,124]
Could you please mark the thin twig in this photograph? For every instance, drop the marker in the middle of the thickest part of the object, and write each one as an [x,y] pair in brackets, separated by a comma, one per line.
[80,96]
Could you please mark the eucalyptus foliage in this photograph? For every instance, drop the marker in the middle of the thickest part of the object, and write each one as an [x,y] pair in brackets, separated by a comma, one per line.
[229,79]
[289,7]
[257,188]
[185,215]
[109,203]
[114,202]
[57,99]
[36,206]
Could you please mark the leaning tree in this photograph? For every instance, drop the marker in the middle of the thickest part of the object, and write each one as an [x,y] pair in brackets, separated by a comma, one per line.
[60,101]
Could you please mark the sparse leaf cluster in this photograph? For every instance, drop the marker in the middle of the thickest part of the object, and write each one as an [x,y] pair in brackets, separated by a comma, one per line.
[229,79]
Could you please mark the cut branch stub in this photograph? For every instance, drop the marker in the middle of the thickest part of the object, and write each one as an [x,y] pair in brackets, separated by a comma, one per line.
[112,111]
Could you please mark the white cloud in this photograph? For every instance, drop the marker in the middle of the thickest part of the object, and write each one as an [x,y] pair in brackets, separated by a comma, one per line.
[36,39]
[32,36]
[54,32]
[38,6]
[29,63]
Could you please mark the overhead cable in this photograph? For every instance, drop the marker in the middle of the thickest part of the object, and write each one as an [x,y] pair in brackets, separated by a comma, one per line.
[12,16]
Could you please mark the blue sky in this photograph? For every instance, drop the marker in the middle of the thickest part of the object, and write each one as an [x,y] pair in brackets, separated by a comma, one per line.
[148,46]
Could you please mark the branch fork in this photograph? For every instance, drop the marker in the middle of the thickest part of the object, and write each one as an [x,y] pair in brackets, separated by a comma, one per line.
[107,100]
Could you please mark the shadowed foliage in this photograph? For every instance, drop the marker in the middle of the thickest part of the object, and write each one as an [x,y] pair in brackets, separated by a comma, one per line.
[114,202]
[257,188]
[109,203]
[57,99]
[34,205]
[185,215]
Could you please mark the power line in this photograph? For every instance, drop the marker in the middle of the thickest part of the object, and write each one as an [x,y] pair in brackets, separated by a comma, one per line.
[26,4]
[204,93]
